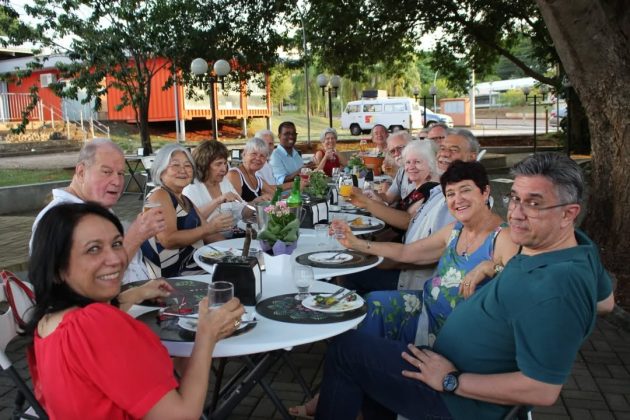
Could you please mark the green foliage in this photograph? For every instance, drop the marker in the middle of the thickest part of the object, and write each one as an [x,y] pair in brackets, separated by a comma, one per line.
[318,184]
[513,97]
[469,34]
[281,85]
[123,39]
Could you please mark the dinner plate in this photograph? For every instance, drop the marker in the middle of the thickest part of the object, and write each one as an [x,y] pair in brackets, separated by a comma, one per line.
[359,222]
[327,257]
[343,306]
[189,323]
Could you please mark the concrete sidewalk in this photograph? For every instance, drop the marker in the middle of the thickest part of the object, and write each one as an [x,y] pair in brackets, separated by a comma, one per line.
[598,388]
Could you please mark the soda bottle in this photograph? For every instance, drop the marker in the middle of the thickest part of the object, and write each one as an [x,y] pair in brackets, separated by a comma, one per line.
[295,198]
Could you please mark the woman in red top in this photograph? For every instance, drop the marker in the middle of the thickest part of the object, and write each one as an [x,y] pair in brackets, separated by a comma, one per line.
[327,158]
[90,359]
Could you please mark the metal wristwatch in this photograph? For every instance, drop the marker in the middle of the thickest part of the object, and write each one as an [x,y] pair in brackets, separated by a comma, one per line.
[451,381]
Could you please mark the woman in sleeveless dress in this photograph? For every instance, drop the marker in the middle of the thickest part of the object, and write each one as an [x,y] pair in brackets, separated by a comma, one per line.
[247,183]
[327,157]
[170,253]
[476,238]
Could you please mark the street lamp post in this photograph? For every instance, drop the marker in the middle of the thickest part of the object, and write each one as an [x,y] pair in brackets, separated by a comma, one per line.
[566,83]
[526,91]
[335,83]
[221,68]
[416,93]
[433,92]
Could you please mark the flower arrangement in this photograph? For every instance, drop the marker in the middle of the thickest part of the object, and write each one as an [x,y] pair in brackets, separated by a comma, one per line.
[318,184]
[282,228]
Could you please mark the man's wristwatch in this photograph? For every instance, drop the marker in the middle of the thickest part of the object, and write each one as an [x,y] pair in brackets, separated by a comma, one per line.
[451,381]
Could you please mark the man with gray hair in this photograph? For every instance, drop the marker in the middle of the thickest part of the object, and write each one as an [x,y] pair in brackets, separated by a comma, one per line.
[266,172]
[513,342]
[99,176]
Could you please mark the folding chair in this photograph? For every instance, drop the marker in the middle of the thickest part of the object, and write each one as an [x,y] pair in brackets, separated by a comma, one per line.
[8,331]
[147,162]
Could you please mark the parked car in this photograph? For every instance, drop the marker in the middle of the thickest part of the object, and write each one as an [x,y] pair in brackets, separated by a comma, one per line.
[395,113]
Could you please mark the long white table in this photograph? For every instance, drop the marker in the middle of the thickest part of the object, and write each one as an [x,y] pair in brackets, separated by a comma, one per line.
[280,265]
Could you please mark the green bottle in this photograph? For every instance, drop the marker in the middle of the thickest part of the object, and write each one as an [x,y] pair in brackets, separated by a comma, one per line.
[295,198]
[278,194]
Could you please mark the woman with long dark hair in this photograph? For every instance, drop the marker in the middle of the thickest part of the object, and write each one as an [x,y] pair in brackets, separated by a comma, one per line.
[89,358]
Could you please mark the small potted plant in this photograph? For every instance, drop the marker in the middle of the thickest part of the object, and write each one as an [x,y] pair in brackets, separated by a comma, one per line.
[279,235]
[317,185]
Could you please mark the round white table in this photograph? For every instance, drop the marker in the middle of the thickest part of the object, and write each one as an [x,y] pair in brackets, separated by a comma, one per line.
[280,265]
[268,334]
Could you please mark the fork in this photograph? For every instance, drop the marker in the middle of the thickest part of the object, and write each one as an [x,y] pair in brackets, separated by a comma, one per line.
[334,257]
[337,300]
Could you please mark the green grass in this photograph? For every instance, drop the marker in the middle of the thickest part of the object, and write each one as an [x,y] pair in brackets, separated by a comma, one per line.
[10,177]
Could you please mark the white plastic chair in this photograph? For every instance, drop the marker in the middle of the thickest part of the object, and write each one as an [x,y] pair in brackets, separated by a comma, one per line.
[9,330]
[147,162]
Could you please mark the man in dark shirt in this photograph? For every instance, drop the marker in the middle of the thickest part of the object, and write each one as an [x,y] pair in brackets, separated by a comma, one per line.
[512,343]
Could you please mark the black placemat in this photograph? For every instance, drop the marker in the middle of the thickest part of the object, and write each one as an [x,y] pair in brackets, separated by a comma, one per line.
[359,259]
[286,308]
[168,330]
[188,291]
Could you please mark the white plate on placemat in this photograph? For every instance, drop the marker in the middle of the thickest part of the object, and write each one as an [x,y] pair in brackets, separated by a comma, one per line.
[330,257]
[189,323]
[343,306]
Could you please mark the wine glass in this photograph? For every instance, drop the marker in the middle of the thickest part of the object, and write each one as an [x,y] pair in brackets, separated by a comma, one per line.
[303,277]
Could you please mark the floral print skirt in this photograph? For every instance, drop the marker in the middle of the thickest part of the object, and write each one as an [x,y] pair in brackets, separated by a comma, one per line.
[393,314]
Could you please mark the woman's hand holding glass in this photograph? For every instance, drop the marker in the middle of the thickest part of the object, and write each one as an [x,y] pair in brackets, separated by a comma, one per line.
[228,197]
[358,199]
[220,322]
[343,233]
[221,222]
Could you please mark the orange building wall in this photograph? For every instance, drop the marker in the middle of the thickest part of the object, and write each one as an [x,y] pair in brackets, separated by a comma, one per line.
[47,97]
[162,103]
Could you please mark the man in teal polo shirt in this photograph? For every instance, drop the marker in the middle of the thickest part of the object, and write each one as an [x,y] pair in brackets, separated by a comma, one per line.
[512,343]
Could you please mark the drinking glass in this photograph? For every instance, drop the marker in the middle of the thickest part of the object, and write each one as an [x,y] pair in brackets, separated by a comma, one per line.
[321,234]
[219,292]
[345,186]
[148,205]
[303,277]
[335,174]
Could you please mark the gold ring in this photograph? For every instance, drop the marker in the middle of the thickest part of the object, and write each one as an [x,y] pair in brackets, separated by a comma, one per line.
[237,323]
[467,284]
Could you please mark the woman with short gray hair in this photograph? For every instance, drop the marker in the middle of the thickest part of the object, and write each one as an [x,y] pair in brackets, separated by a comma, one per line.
[170,252]
[247,183]
[327,157]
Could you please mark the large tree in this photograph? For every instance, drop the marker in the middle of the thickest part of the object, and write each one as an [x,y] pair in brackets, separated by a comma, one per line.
[122,39]
[591,37]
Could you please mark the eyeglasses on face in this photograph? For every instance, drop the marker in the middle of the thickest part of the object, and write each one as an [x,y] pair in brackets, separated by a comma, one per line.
[289,133]
[178,166]
[529,208]
[395,150]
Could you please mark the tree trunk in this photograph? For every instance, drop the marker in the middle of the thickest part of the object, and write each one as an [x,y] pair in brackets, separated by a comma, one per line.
[591,37]
[143,125]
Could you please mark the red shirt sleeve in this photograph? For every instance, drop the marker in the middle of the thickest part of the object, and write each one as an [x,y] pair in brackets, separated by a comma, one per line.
[113,359]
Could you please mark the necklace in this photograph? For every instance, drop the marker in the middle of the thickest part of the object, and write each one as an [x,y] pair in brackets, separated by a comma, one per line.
[249,178]
[469,242]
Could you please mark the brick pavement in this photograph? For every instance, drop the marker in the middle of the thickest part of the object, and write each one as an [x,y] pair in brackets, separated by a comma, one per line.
[598,388]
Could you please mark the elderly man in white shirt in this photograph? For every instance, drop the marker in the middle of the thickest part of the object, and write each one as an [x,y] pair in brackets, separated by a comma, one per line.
[99,177]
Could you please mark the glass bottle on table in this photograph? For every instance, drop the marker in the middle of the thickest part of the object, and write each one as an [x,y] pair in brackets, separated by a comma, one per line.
[277,195]
[295,198]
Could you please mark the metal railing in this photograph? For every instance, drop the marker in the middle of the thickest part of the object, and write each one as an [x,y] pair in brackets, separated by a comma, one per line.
[13,104]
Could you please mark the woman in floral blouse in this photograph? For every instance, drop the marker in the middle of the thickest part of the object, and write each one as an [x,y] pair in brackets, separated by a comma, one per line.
[477,236]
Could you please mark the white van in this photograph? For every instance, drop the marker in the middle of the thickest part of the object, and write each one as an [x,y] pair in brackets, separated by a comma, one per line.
[395,113]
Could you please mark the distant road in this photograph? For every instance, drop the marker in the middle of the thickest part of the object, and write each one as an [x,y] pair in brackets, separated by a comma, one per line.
[51,161]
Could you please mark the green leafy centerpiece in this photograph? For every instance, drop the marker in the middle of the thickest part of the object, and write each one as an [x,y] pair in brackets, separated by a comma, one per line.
[280,233]
[317,184]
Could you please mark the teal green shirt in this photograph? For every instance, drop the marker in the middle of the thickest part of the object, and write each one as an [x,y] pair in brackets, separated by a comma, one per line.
[532,318]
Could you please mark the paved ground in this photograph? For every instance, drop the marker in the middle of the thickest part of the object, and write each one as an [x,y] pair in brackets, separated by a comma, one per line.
[598,388]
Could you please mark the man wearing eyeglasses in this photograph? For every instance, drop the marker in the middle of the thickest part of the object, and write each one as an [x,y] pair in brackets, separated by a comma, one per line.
[437,133]
[513,342]
[285,160]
